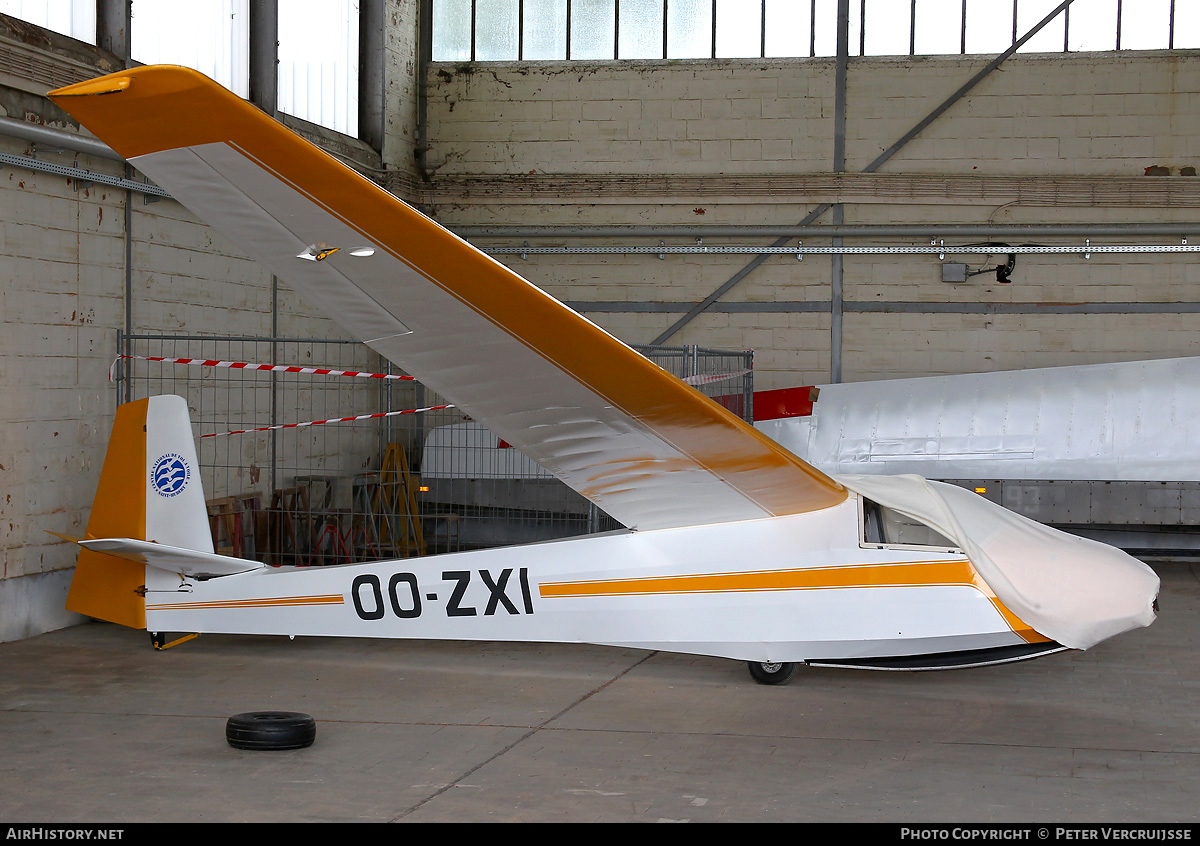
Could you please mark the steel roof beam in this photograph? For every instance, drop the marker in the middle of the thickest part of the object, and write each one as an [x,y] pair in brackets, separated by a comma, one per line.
[879,161]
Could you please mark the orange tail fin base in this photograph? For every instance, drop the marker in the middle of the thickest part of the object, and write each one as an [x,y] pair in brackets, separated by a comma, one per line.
[149,491]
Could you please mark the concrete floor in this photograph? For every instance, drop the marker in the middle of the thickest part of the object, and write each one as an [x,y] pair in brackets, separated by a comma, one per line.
[95,726]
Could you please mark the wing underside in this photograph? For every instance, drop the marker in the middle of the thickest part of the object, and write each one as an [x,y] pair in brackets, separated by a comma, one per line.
[172,558]
[648,449]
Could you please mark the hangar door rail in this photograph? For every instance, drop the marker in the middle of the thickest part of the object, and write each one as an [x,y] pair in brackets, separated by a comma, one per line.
[395,486]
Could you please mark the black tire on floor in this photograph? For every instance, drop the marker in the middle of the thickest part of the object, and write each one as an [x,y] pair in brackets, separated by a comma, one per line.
[270,730]
[772,673]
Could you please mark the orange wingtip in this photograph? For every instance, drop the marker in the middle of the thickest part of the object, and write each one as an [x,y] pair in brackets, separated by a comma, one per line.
[164,107]
[111,84]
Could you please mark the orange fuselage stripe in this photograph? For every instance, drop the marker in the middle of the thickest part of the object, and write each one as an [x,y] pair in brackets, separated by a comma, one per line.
[266,602]
[957,571]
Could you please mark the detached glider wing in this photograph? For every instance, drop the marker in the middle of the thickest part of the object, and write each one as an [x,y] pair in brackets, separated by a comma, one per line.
[738,549]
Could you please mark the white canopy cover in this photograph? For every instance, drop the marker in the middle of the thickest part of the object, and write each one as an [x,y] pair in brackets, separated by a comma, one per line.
[1071,589]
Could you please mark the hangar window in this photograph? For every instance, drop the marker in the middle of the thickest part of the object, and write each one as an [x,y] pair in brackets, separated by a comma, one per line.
[318,51]
[211,36]
[318,62]
[452,30]
[525,30]
[642,30]
[883,526]
[497,25]
[76,18]
[591,28]
[544,29]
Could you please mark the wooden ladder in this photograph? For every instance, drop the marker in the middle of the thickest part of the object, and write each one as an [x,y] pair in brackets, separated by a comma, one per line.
[394,504]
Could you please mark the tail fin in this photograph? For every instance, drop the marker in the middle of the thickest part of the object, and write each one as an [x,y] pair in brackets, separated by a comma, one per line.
[149,491]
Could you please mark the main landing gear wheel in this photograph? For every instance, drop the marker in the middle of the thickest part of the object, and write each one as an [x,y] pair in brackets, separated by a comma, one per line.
[270,730]
[766,672]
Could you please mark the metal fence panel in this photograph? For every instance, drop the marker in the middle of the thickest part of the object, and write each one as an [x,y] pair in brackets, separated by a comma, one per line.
[390,487]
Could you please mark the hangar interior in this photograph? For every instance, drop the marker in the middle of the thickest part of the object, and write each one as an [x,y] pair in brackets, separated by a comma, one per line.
[627,157]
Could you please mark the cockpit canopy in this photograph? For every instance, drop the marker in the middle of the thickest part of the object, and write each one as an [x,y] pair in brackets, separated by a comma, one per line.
[885,526]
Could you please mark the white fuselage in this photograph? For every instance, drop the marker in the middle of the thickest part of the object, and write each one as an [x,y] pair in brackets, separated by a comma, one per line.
[780,589]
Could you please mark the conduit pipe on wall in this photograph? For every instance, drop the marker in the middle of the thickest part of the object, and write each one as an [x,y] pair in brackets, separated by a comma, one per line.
[939,249]
[878,230]
[57,138]
[80,143]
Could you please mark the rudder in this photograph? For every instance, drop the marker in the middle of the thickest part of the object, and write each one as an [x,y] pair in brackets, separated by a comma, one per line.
[149,490]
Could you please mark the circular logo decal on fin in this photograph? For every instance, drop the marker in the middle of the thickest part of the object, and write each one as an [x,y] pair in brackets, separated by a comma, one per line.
[170,475]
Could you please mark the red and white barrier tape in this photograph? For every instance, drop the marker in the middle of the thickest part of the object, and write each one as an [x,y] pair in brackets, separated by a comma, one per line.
[331,420]
[705,379]
[699,379]
[245,365]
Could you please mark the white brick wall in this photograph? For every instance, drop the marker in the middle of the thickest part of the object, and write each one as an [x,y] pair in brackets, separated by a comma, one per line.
[62,261]
[1084,114]
[62,302]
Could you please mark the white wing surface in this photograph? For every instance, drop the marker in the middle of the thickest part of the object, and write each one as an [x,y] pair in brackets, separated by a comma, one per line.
[643,446]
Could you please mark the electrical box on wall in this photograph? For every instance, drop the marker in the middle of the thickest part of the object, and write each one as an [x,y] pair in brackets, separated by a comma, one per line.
[954,271]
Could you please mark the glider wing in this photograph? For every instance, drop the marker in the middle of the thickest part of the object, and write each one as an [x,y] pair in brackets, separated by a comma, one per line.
[648,449]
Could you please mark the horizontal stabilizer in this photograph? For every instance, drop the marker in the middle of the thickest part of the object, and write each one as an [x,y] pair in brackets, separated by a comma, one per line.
[198,565]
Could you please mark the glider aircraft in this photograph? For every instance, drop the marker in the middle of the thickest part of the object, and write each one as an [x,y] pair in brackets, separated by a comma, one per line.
[735,548]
